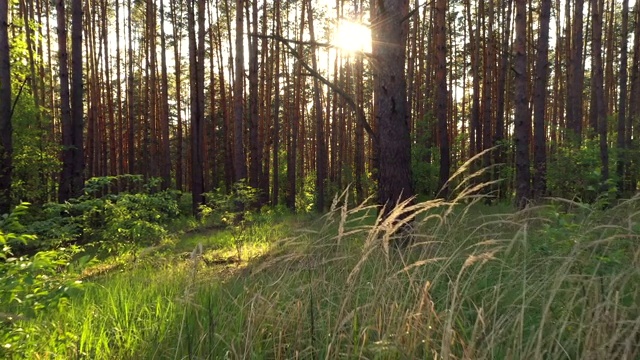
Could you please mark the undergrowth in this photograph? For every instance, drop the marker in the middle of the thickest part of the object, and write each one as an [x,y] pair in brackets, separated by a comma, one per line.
[476,283]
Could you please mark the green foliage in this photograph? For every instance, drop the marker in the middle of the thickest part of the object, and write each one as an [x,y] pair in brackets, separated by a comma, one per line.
[139,219]
[29,285]
[425,173]
[425,163]
[119,222]
[575,173]
[234,210]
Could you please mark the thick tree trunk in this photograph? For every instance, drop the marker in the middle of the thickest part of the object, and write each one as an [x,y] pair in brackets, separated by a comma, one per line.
[540,103]
[441,94]
[522,119]
[6,132]
[64,189]
[389,34]
[196,75]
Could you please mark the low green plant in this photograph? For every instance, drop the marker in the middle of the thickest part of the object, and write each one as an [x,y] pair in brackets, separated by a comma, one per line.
[30,285]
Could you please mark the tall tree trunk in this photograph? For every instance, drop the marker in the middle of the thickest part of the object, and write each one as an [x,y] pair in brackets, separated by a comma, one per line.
[522,119]
[112,158]
[177,35]
[196,75]
[239,164]
[165,153]
[622,107]
[598,110]
[121,125]
[474,123]
[500,152]
[634,103]
[6,132]
[540,103]
[130,97]
[71,177]
[152,91]
[294,124]
[255,157]
[441,94]
[576,76]
[389,35]
[77,106]
[276,111]
[321,154]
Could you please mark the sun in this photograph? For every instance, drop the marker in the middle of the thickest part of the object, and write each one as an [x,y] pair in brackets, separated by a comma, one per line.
[352,37]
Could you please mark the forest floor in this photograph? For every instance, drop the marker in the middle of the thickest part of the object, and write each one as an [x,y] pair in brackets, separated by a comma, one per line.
[559,281]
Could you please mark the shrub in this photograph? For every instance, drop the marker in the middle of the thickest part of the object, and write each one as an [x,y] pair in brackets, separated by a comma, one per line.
[29,284]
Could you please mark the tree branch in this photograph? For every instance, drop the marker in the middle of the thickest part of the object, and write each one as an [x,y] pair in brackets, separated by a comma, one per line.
[359,112]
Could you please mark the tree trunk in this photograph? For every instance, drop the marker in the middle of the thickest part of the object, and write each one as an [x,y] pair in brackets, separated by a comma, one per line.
[64,190]
[598,111]
[389,34]
[239,164]
[6,132]
[130,98]
[576,77]
[441,94]
[522,119]
[540,103]
[165,153]
[196,75]
[177,35]
[276,112]
[622,106]
[499,135]
[255,157]
[321,155]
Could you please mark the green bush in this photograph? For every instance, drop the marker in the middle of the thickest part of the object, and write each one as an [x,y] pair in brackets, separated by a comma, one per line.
[140,219]
[575,173]
[29,284]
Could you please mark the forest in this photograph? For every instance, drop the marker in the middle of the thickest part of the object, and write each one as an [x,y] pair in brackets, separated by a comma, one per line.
[387,179]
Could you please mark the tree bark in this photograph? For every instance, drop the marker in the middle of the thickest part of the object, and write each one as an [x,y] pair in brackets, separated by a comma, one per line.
[598,111]
[239,161]
[539,106]
[576,77]
[6,132]
[165,153]
[255,157]
[321,155]
[522,119]
[441,94]
[389,34]
[622,106]
[196,75]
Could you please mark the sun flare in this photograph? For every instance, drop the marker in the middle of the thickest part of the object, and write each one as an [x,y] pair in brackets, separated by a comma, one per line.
[352,37]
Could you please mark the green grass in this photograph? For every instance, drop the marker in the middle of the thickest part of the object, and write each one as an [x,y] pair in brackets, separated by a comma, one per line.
[478,282]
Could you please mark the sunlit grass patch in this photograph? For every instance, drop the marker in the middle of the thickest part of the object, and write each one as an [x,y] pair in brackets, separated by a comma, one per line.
[475,282]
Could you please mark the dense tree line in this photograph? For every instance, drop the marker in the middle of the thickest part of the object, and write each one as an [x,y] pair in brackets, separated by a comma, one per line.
[206,93]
